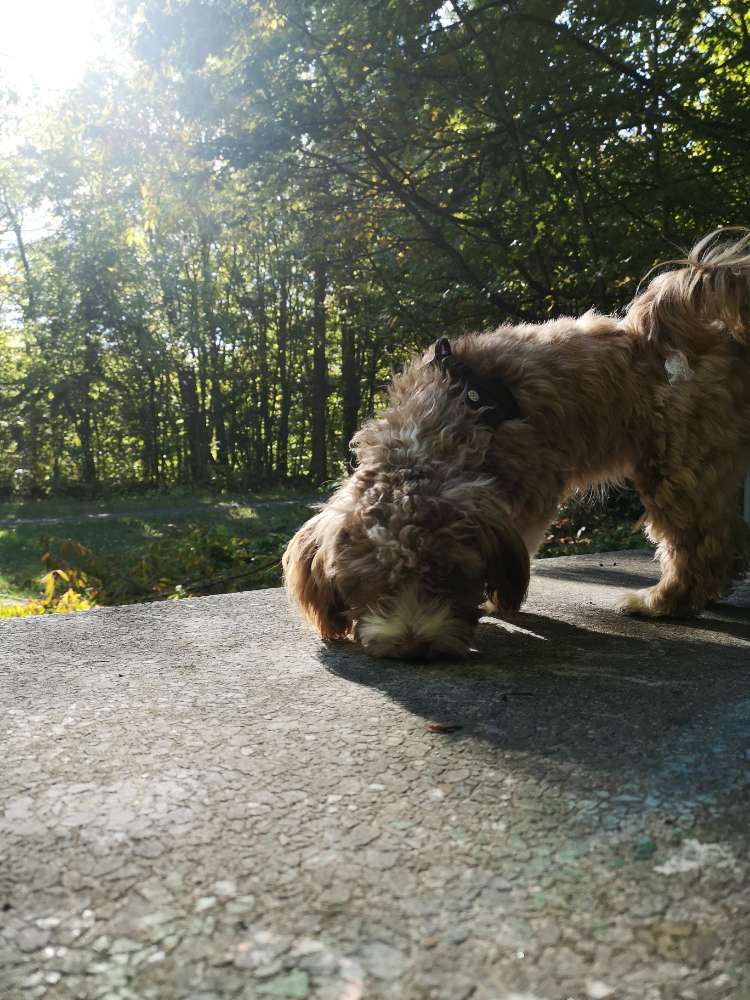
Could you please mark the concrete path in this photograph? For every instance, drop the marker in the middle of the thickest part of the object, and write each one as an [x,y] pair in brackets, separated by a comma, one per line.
[199,800]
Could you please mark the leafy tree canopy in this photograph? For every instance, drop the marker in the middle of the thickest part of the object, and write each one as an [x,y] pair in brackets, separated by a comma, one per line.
[277,201]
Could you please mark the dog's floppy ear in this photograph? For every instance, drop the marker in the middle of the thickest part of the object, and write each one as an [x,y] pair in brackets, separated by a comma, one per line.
[308,580]
[507,566]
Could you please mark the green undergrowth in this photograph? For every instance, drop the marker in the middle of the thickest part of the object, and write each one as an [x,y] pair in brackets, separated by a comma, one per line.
[596,525]
[150,557]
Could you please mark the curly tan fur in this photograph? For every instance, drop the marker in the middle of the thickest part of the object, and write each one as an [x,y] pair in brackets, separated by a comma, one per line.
[442,512]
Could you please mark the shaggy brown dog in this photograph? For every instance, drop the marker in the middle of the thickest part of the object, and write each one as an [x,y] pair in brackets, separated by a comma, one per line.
[459,478]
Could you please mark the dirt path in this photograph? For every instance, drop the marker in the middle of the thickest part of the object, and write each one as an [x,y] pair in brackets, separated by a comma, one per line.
[16,522]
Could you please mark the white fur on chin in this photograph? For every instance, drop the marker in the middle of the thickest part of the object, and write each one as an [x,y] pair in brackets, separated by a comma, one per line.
[408,622]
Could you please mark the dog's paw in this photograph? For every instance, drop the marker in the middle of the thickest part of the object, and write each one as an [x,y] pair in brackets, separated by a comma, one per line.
[653,602]
[642,602]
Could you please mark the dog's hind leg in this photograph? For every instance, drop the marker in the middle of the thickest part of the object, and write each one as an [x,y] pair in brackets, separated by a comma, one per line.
[703,545]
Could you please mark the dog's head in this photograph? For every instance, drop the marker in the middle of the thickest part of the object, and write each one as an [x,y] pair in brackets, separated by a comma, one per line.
[401,561]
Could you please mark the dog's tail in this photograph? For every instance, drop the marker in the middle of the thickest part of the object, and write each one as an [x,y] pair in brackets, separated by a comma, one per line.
[705,296]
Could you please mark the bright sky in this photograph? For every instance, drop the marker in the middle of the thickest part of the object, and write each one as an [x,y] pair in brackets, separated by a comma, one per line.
[47,45]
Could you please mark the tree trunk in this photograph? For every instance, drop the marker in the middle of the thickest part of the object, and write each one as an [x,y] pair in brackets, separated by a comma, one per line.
[282,432]
[217,405]
[215,374]
[350,388]
[85,423]
[318,458]
[264,407]
[194,426]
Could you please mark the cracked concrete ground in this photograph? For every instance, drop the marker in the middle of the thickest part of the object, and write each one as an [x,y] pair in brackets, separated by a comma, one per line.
[201,800]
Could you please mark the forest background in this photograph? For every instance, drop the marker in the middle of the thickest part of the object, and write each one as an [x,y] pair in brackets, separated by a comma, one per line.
[263,210]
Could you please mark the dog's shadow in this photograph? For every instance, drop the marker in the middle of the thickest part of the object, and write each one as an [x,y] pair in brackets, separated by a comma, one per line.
[668,704]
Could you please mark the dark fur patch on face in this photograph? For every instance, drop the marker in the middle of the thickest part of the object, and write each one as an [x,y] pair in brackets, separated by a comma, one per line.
[508,568]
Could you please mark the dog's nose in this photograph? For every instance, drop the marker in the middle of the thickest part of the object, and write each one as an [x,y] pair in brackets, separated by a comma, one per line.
[414,650]
[418,651]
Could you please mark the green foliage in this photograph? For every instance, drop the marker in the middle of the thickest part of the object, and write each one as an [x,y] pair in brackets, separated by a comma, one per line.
[65,586]
[587,525]
[180,562]
[154,556]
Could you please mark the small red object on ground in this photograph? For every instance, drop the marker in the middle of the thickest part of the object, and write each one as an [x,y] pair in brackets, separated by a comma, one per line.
[440,727]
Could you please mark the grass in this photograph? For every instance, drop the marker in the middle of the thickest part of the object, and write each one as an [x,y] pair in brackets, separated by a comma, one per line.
[15,507]
[194,543]
[19,563]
